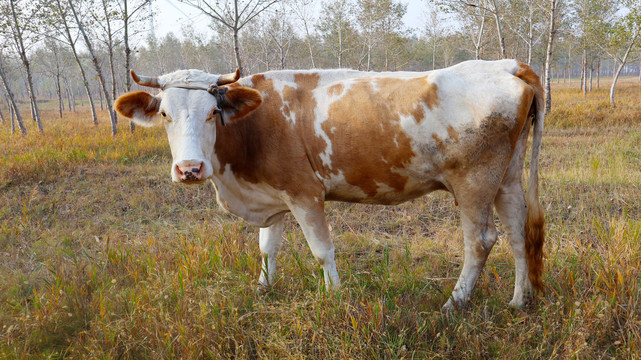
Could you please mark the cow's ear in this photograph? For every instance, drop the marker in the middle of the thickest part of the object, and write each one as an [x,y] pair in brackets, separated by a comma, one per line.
[139,106]
[240,101]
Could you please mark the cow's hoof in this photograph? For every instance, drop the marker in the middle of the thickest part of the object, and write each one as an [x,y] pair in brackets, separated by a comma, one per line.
[520,303]
[449,306]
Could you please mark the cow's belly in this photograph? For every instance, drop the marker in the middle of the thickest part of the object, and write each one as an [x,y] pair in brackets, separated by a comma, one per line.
[384,194]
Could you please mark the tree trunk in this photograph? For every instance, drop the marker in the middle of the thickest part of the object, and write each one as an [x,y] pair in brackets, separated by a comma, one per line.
[110,50]
[58,90]
[13,121]
[239,64]
[479,39]
[584,73]
[499,29]
[132,125]
[85,82]
[12,100]
[68,96]
[598,73]
[27,68]
[102,107]
[621,65]
[548,56]
[112,113]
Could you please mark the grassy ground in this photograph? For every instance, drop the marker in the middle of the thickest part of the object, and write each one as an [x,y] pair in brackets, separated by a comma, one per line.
[102,257]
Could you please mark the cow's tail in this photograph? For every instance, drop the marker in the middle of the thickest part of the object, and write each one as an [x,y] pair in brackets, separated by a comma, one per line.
[535,221]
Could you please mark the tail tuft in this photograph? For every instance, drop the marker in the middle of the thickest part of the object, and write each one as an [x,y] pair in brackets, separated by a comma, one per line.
[534,238]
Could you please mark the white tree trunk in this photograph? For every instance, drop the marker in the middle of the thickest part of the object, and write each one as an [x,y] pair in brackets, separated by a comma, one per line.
[112,113]
[621,65]
[548,55]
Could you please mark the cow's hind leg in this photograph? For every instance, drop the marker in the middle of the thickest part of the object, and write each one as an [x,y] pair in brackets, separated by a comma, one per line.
[479,234]
[512,210]
[270,239]
[311,217]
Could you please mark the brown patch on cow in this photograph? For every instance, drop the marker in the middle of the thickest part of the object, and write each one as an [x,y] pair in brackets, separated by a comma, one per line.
[528,75]
[265,147]
[131,102]
[368,144]
[439,143]
[524,111]
[407,97]
[452,133]
[335,89]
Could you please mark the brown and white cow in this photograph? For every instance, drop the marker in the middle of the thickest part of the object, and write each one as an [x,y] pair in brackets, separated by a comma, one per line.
[287,141]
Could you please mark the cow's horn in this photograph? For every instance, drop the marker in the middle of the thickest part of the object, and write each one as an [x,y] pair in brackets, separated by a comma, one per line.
[145,80]
[228,78]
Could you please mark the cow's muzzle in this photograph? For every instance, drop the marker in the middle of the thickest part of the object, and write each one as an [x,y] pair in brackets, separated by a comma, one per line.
[190,171]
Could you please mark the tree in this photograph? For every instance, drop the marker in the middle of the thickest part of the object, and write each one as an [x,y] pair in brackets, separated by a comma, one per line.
[552,29]
[303,9]
[61,13]
[233,14]
[435,31]
[92,53]
[492,7]
[525,19]
[12,101]
[472,16]
[337,32]
[624,36]
[52,62]
[20,18]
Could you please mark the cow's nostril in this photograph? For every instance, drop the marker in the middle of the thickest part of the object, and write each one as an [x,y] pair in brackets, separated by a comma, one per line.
[178,170]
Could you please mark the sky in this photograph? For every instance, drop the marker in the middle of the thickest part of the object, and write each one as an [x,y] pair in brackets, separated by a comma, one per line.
[176,15]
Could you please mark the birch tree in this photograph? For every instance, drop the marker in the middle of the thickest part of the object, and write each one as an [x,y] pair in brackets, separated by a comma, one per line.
[12,101]
[20,20]
[233,14]
[337,31]
[96,63]
[61,12]
[624,37]
[553,12]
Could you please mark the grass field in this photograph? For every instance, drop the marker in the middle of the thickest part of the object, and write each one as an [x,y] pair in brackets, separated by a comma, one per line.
[101,256]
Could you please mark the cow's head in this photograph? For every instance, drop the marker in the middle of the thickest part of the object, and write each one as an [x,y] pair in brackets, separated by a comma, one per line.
[190,104]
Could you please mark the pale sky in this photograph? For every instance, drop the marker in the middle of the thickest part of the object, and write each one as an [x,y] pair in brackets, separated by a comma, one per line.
[175,15]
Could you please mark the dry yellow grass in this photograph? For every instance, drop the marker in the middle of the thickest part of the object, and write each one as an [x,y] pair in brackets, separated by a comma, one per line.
[102,257]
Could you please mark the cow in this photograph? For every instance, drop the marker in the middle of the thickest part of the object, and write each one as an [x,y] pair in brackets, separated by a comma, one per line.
[287,141]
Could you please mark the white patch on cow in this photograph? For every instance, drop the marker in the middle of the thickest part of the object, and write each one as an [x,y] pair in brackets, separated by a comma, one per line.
[256,203]
[321,114]
[281,79]
[192,77]
[337,184]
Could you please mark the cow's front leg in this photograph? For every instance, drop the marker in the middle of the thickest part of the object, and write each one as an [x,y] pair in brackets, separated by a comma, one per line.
[311,217]
[270,239]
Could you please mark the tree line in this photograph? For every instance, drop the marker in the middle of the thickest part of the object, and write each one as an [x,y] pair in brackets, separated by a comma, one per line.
[81,50]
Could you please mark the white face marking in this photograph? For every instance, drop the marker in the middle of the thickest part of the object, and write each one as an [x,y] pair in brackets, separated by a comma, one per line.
[191,136]
[192,77]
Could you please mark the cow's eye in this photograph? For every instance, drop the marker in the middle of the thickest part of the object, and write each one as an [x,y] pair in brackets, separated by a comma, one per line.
[164,116]
[213,114]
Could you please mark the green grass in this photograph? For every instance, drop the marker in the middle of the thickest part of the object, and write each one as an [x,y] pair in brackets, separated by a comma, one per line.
[101,256]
